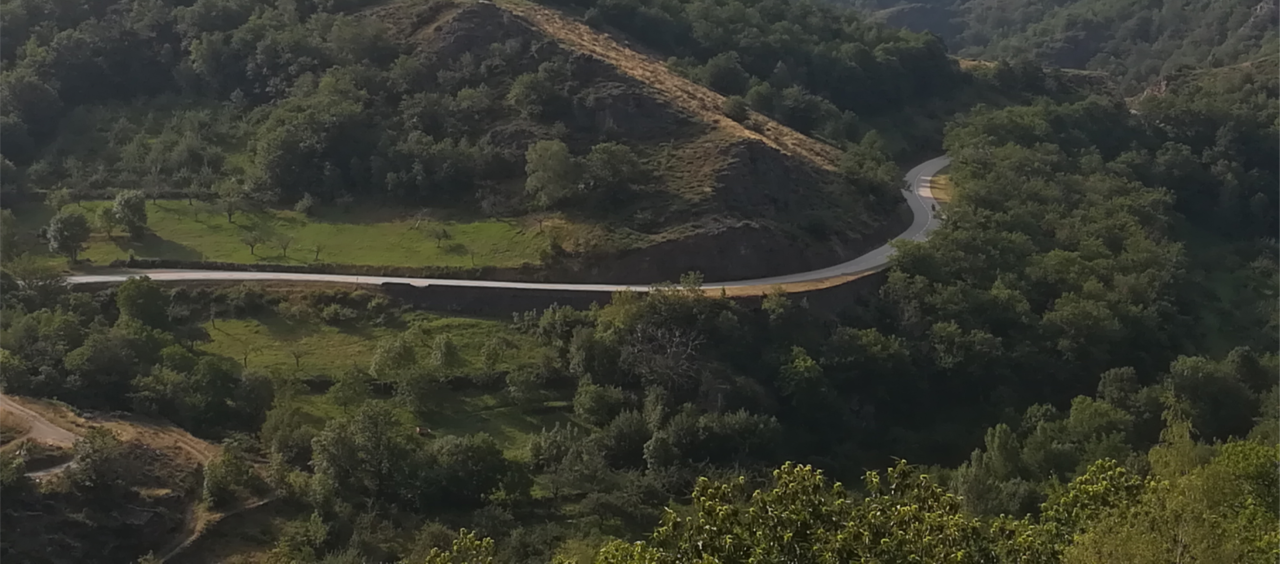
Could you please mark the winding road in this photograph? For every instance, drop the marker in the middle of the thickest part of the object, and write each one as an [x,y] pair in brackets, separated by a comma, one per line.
[920,201]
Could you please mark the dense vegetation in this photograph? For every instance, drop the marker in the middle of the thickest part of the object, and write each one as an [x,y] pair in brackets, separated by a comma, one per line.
[1132,40]
[319,106]
[1082,355]
[295,98]
[824,71]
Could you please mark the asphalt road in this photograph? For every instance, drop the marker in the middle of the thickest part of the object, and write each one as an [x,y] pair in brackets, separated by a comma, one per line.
[922,223]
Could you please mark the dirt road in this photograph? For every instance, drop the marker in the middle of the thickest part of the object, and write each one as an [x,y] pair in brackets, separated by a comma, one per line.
[41,429]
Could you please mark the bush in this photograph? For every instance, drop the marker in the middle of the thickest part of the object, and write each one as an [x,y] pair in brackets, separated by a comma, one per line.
[736,108]
[724,73]
[131,212]
[598,405]
[305,204]
[334,314]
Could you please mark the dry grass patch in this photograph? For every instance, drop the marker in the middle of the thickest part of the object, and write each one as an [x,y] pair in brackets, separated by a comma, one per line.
[942,188]
[12,427]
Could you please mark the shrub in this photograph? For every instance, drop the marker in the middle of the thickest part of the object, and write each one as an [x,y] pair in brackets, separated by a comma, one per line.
[598,405]
[334,314]
[305,204]
[736,108]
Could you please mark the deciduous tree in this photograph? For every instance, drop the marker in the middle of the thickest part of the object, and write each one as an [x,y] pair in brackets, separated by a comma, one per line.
[67,233]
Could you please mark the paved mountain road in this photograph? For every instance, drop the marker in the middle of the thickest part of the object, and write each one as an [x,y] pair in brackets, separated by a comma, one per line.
[922,208]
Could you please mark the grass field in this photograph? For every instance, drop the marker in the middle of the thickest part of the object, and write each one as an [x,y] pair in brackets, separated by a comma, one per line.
[268,344]
[361,236]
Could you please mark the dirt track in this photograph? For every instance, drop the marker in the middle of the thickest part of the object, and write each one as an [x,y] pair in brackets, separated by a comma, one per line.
[41,429]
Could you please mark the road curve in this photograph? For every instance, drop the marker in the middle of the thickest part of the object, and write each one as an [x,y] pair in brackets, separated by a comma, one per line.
[922,207]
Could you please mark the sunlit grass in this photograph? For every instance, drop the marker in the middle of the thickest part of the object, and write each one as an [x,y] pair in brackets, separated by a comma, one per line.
[178,230]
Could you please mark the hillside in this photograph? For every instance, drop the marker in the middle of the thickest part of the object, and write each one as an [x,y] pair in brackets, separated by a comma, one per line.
[725,198]
[132,487]
[1132,40]
[513,133]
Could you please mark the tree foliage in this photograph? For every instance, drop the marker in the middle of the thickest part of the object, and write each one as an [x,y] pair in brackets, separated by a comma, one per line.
[67,234]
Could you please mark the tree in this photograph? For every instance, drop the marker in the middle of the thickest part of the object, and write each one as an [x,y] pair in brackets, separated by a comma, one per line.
[305,204]
[466,549]
[724,73]
[228,474]
[529,94]
[59,199]
[317,248]
[143,299]
[611,166]
[802,518]
[736,108]
[67,233]
[283,240]
[440,234]
[131,212]
[393,357]
[598,405]
[444,352]
[297,353]
[253,237]
[366,454]
[107,220]
[9,174]
[230,198]
[14,375]
[1223,511]
[101,461]
[621,442]
[42,284]
[553,175]
[9,237]
[468,469]
[351,390]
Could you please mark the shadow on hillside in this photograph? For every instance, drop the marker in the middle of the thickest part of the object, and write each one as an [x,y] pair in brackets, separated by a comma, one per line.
[284,329]
[154,246]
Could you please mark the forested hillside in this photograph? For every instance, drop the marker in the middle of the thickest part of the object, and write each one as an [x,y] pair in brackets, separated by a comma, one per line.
[500,133]
[1134,41]
[1096,317]
[1077,366]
